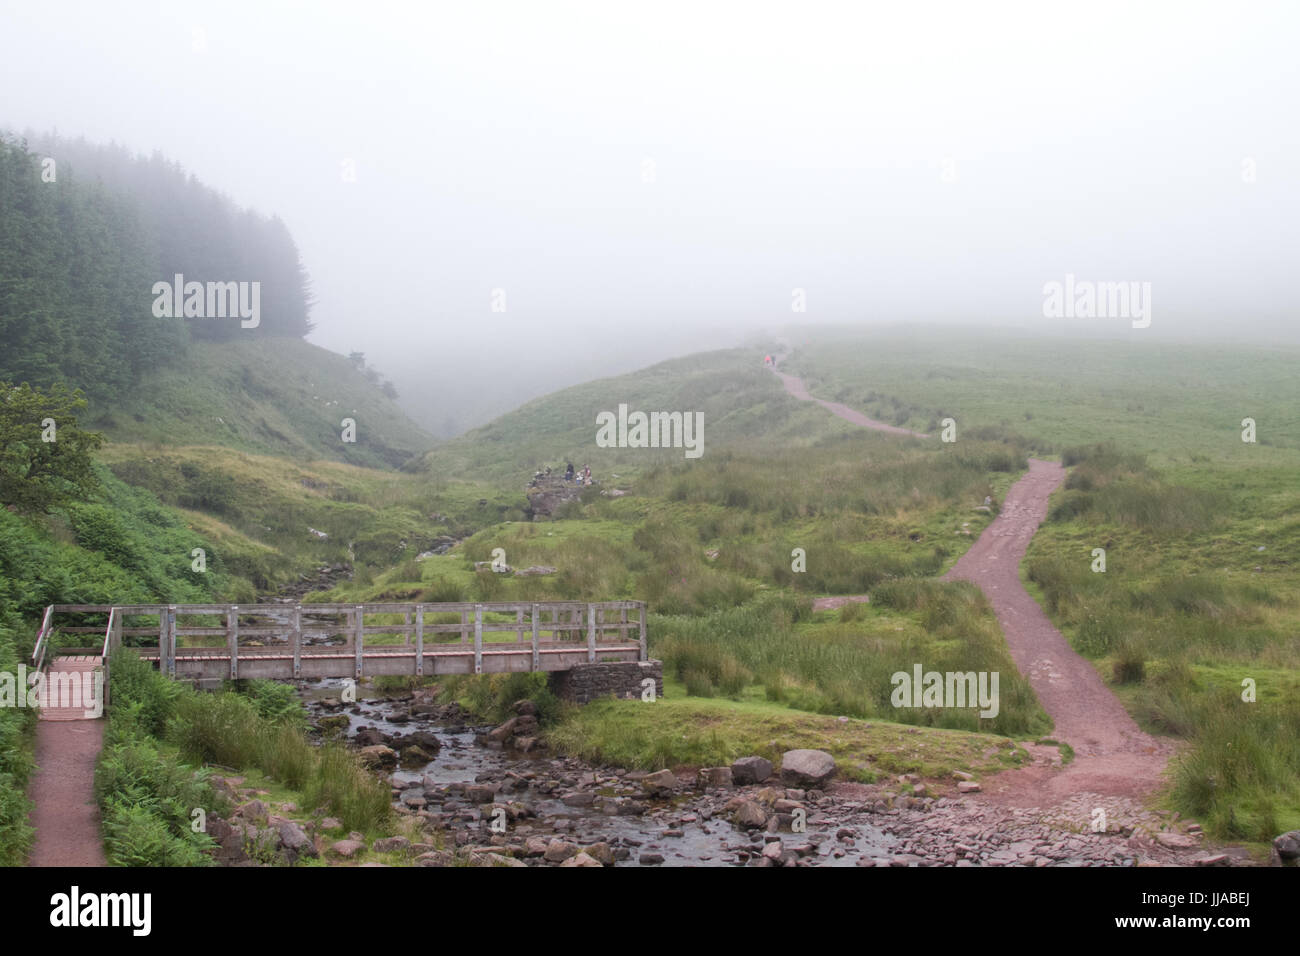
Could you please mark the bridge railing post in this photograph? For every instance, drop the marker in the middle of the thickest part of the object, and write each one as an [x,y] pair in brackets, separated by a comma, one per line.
[536,650]
[296,637]
[591,633]
[171,640]
[645,656]
[360,636]
[419,640]
[478,638]
[232,639]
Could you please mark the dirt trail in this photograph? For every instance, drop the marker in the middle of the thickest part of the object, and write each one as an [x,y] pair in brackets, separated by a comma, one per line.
[65,816]
[796,388]
[1113,757]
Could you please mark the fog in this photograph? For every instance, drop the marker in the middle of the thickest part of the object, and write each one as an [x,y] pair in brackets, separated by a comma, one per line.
[635,181]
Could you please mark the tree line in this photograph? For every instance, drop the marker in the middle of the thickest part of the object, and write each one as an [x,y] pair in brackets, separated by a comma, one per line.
[85,232]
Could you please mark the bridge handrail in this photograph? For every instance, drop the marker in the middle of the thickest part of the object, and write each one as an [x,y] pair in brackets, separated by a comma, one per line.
[472,622]
[42,639]
[112,638]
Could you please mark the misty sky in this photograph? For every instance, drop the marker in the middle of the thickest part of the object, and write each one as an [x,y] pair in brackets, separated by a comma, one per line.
[654,178]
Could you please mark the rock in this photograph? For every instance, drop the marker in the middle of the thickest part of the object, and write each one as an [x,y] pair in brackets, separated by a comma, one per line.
[416,755]
[1219,859]
[347,849]
[749,815]
[748,770]
[713,778]
[1176,841]
[480,793]
[329,823]
[659,782]
[435,858]
[807,768]
[295,839]
[773,850]
[377,757]
[558,851]
[535,846]
[602,852]
[1288,845]
[583,798]
[582,859]
[651,859]
[391,845]
[504,732]
[334,724]
[968,786]
[253,810]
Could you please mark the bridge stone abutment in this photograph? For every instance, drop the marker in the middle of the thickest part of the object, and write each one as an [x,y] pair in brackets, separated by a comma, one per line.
[584,683]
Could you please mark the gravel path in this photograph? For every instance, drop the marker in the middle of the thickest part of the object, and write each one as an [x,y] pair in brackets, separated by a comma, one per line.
[1114,759]
[65,816]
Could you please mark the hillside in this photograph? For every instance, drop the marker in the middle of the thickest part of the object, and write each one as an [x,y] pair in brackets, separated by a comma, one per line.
[273,396]
[742,405]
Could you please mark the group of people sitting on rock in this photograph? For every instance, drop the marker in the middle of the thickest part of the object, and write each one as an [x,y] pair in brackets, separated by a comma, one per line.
[583,477]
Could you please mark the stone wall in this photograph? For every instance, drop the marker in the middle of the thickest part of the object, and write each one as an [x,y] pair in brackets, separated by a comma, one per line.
[587,682]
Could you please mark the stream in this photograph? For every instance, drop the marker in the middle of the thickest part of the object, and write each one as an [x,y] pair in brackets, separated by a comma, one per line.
[545,798]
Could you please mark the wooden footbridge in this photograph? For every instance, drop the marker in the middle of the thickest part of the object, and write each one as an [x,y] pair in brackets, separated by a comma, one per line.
[214,642]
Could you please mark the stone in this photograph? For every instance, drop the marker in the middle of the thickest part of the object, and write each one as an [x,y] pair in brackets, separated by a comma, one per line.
[295,839]
[749,815]
[391,845]
[650,859]
[968,786]
[416,754]
[377,757]
[582,859]
[435,858]
[807,768]
[346,849]
[659,782]
[749,770]
[602,852]
[715,778]
[557,851]
[1288,845]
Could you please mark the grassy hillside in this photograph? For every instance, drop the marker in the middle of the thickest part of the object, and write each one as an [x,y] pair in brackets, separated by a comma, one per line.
[742,404]
[1201,590]
[271,396]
